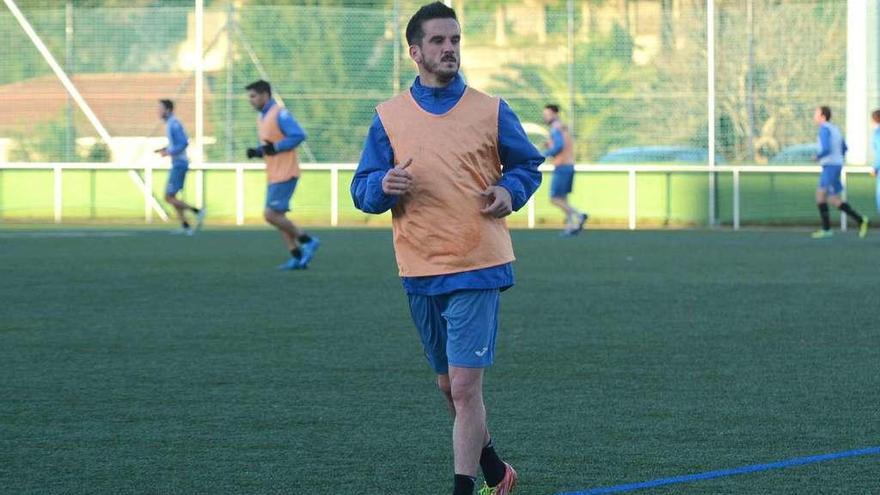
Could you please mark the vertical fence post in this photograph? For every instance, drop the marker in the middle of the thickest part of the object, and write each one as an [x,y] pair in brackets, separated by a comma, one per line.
[334,195]
[56,201]
[530,212]
[148,194]
[395,66]
[632,198]
[736,199]
[200,188]
[239,195]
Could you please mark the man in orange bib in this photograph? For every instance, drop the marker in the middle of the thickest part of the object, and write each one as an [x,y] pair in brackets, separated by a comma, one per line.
[450,163]
[280,134]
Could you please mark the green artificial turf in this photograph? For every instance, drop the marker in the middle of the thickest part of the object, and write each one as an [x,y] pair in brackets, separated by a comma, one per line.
[137,362]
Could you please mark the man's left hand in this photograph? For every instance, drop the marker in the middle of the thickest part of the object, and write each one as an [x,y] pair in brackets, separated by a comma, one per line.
[500,204]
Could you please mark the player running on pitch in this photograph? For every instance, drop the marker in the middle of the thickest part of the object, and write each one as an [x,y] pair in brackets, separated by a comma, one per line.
[176,149]
[279,135]
[832,151]
[875,170]
[560,147]
[450,163]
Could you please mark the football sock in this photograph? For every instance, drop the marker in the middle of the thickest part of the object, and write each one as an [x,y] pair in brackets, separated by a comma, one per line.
[464,485]
[185,224]
[296,253]
[304,239]
[846,208]
[826,219]
[492,466]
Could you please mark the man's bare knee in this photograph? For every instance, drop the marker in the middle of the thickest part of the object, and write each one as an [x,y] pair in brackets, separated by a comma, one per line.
[271,216]
[444,386]
[466,390]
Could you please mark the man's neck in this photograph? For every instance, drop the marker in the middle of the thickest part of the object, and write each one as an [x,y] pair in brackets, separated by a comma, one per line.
[430,80]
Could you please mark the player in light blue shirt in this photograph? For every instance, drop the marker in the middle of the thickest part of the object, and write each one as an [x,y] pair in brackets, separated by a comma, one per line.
[832,151]
[875,169]
[176,149]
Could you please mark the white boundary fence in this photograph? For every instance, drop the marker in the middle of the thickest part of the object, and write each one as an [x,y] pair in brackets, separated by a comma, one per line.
[335,168]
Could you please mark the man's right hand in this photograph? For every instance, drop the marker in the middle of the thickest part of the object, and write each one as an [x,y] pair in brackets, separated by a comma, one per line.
[397,181]
[254,153]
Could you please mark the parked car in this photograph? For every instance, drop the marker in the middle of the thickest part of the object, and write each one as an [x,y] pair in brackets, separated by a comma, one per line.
[659,154]
[796,154]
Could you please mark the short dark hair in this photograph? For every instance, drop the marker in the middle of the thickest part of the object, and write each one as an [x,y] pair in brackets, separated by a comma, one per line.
[168,104]
[436,10]
[260,86]
[826,112]
[552,106]
[875,115]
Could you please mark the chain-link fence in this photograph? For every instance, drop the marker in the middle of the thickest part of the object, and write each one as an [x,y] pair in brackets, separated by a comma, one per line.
[630,75]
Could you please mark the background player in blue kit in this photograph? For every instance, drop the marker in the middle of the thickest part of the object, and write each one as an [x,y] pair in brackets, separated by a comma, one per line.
[875,169]
[832,151]
[176,149]
[560,150]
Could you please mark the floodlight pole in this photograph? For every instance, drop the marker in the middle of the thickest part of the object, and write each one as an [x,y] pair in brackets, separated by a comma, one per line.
[80,101]
[571,91]
[200,86]
[710,103]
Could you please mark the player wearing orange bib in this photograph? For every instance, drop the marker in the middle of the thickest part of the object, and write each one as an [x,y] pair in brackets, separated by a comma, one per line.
[280,134]
[451,163]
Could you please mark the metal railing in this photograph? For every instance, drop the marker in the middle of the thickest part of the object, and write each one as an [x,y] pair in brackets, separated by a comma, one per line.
[335,168]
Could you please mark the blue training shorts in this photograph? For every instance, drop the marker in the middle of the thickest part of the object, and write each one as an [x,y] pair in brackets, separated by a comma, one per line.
[278,195]
[562,182]
[457,329]
[176,177]
[829,181]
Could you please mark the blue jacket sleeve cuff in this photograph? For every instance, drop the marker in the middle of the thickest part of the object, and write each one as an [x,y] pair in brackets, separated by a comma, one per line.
[374,199]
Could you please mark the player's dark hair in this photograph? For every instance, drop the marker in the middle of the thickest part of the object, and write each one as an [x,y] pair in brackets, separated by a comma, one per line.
[552,106]
[875,116]
[260,86]
[826,112]
[168,104]
[436,10]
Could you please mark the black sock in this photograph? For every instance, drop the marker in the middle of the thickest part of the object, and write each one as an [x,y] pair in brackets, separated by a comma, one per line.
[185,224]
[492,466]
[826,219]
[304,239]
[464,485]
[296,253]
[195,210]
[846,208]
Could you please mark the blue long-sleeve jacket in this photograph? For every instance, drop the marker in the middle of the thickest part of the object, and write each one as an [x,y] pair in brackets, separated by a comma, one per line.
[177,142]
[293,132]
[830,152]
[558,143]
[519,175]
[877,149]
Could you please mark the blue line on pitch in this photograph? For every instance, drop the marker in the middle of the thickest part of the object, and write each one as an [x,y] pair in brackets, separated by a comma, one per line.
[754,468]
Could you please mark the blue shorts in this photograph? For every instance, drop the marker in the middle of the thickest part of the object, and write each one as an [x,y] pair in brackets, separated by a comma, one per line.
[278,195]
[457,329]
[563,181]
[176,177]
[829,181]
